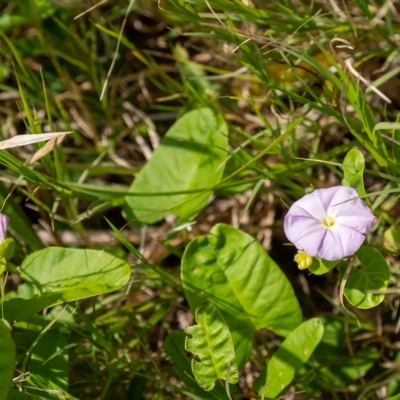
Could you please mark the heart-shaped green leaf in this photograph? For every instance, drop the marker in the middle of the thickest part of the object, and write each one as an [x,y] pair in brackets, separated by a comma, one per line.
[74,273]
[189,159]
[372,274]
[212,344]
[231,270]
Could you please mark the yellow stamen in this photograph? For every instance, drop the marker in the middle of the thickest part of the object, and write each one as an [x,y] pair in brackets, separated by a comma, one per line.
[328,222]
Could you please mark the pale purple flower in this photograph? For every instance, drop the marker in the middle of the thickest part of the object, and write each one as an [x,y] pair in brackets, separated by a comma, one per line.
[321,224]
[3,227]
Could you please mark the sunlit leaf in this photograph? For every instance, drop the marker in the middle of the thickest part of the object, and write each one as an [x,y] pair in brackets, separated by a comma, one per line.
[291,355]
[372,274]
[211,342]
[74,273]
[190,158]
[231,270]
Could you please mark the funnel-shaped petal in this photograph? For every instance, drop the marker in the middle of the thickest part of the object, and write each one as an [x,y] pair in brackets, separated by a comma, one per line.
[325,223]
[3,227]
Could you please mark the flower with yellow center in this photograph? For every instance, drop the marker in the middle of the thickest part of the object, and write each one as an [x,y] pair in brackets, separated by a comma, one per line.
[329,223]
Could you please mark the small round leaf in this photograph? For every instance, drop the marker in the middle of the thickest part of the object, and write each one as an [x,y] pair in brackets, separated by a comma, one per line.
[373,274]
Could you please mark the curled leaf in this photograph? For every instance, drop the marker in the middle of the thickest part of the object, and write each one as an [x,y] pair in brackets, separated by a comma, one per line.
[212,344]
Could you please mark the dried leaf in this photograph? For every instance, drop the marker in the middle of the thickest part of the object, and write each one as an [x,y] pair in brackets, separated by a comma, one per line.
[46,149]
[23,140]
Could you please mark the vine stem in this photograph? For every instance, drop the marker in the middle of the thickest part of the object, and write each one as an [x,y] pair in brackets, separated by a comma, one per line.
[342,286]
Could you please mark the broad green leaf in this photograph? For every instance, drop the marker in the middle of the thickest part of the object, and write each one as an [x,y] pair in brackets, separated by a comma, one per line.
[74,273]
[320,266]
[231,270]
[292,354]
[353,168]
[188,160]
[391,238]
[7,359]
[48,365]
[19,309]
[174,347]
[212,344]
[372,274]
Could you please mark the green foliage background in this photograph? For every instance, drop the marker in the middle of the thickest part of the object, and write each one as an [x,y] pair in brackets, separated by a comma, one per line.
[119,218]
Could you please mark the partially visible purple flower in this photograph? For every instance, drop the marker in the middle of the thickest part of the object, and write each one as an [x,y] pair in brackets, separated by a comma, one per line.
[3,227]
[320,226]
